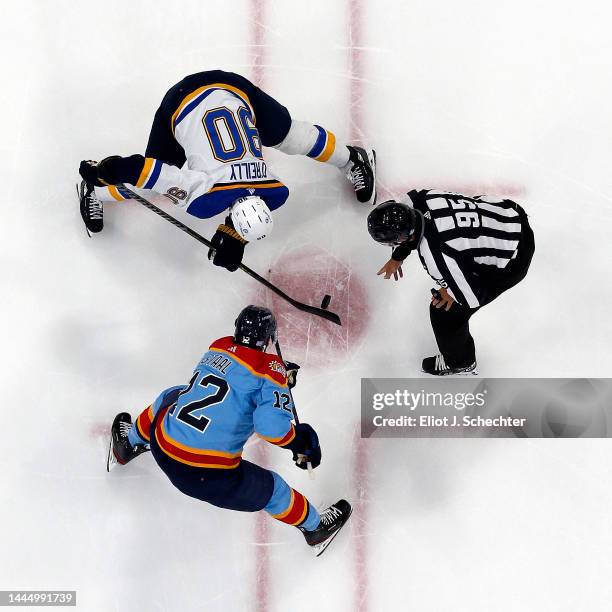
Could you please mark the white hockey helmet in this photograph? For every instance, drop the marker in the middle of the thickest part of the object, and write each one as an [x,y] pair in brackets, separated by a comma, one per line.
[251,217]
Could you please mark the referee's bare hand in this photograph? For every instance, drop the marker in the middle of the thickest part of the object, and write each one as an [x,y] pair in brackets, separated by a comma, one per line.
[392,268]
[445,301]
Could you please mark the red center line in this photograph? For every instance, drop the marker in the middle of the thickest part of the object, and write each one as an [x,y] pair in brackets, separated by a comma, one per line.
[262,560]
[355,71]
[360,457]
[262,525]
[257,35]
[360,462]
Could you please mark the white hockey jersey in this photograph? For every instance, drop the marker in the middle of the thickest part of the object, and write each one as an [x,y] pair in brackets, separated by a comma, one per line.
[216,128]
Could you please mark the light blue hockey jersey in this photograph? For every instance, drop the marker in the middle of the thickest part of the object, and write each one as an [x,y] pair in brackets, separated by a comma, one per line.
[235,391]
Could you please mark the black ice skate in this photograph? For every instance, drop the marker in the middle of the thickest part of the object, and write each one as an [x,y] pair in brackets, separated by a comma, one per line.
[361,171]
[91,208]
[438,367]
[120,450]
[332,520]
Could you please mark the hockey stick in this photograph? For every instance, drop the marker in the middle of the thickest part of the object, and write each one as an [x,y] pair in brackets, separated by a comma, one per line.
[313,310]
[293,408]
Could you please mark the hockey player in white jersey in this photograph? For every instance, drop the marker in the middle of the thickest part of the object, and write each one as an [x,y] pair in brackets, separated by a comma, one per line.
[205,153]
[474,248]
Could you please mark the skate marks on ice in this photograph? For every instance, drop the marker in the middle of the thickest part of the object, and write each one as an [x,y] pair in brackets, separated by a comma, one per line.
[308,273]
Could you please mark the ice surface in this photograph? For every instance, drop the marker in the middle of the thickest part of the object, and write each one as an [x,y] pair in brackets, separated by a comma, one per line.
[509,97]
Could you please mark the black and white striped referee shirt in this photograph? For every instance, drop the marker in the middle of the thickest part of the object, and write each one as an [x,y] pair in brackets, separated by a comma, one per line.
[465,238]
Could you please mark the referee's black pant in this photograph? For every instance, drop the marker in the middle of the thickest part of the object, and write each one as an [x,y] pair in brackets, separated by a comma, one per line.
[452,328]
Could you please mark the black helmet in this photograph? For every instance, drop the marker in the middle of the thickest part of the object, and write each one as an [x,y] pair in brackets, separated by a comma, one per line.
[392,223]
[255,327]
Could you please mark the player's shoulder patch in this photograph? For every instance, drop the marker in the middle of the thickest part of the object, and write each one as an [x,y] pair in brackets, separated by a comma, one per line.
[276,368]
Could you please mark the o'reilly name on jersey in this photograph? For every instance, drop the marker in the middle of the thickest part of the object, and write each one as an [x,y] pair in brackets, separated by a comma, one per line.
[248,171]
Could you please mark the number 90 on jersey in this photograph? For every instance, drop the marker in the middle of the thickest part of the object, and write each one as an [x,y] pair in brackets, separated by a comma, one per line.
[231,134]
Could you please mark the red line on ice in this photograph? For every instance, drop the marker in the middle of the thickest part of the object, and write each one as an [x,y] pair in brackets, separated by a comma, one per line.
[262,561]
[360,456]
[359,521]
[355,70]
[258,17]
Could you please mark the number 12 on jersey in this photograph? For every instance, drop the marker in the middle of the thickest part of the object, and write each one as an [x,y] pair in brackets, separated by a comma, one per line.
[282,401]
[185,413]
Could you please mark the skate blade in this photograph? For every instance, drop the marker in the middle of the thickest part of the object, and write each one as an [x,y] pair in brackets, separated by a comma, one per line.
[372,160]
[322,547]
[79,197]
[111,460]
[473,372]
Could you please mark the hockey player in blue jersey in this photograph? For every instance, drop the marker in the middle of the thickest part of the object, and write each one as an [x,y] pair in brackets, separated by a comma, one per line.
[205,153]
[196,432]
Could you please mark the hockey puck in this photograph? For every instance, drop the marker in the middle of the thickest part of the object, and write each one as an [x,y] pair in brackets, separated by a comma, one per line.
[325,302]
[309,273]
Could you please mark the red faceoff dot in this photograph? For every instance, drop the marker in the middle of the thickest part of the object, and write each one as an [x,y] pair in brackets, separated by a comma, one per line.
[307,274]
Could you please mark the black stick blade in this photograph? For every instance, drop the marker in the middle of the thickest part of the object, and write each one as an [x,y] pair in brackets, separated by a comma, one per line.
[313,310]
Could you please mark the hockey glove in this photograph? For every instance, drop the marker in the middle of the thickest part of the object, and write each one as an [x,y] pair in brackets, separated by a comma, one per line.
[88,169]
[292,372]
[305,447]
[115,169]
[227,247]
[112,170]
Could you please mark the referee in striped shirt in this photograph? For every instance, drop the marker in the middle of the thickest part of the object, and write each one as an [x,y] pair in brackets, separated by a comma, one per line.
[474,248]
